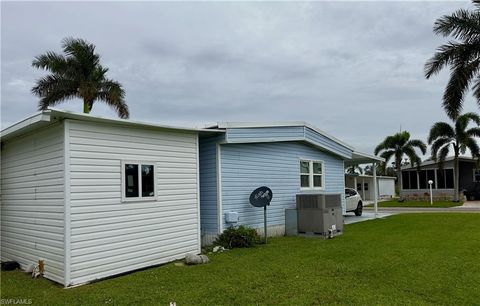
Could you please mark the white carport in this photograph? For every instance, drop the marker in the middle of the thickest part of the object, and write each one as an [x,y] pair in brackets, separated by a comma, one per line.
[363,158]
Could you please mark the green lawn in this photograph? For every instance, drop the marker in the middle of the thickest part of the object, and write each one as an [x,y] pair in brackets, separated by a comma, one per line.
[418,259]
[395,203]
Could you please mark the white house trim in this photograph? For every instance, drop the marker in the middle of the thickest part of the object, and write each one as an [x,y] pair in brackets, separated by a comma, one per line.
[198,195]
[67,207]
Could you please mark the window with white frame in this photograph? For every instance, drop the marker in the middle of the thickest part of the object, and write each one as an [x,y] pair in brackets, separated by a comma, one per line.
[311,174]
[138,181]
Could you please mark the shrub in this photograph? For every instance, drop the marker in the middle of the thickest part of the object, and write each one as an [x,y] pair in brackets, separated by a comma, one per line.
[238,237]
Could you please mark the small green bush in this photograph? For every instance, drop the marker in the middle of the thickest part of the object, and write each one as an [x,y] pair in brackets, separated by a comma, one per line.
[238,237]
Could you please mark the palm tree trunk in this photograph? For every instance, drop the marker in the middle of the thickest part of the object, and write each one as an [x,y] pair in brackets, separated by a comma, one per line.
[86,108]
[398,163]
[456,195]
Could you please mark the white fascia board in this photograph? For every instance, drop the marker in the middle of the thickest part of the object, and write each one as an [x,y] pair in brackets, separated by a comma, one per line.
[366,158]
[88,117]
[25,123]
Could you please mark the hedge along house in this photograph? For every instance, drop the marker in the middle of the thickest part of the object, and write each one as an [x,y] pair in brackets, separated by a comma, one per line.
[290,158]
[95,197]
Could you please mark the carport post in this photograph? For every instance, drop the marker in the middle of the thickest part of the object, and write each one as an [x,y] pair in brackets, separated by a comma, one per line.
[375,193]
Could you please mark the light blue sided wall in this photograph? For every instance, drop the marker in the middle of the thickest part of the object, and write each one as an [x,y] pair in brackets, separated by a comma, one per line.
[287,133]
[245,167]
[208,183]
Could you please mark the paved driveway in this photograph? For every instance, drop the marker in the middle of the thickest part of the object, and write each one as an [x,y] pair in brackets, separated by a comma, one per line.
[351,218]
[470,204]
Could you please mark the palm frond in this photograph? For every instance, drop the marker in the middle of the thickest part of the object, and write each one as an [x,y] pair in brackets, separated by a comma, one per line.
[412,155]
[437,144]
[50,61]
[442,155]
[448,53]
[417,143]
[387,155]
[472,145]
[440,129]
[113,95]
[461,77]
[473,132]
[462,25]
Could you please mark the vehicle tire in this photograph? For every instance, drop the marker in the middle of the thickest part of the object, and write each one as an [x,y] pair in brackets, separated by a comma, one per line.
[359,210]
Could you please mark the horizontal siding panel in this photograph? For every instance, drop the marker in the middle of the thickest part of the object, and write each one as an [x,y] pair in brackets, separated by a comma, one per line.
[264,133]
[98,231]
[208,183]
[169,253]
[120,216]
[127,243]
[248,166]
[108,235]
[327,143]
[104,264]
[124,253]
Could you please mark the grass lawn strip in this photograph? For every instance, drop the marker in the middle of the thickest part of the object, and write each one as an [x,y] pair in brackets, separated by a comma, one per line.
[421,259]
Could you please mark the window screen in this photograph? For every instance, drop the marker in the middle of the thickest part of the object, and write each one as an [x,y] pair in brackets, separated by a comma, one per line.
[413,180]
[449,178]
[422,176]
[440,179]
[405,180]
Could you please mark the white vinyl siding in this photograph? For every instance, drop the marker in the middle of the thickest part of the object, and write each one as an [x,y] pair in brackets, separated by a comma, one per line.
[109,236]
[32,200]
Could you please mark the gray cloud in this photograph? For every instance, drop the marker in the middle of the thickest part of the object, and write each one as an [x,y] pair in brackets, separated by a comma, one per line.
[353,69]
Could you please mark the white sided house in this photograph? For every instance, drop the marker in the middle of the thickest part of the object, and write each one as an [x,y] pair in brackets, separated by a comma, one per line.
[96,197]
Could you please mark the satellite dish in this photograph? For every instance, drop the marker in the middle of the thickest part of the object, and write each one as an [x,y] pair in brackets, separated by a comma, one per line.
[261,197]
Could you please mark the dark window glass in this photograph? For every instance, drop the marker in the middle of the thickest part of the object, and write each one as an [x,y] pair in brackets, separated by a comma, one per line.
[359,186]
[440,179]
[317,181]
[423,179]
[304,181]
[365,186]
[304,167]
[449,178]
[317,168]
[131,181]
[405,180]
[477,175]
[431,177]
[148,189]
[413,180]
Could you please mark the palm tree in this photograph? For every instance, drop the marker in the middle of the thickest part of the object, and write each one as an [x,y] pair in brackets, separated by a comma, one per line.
[77,74]
[399,145]
[443,137]
[354,169]
[462,55]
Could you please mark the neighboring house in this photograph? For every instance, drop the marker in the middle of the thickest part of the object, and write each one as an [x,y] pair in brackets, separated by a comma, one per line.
[416,182]
[95,197]
[364,185]
[290,158]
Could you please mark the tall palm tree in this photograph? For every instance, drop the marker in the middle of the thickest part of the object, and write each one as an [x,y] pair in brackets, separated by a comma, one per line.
[77,74]
[459,137]
[399,145]
[462,55]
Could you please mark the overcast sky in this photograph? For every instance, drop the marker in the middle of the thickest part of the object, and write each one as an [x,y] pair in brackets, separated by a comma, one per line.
[353,69]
